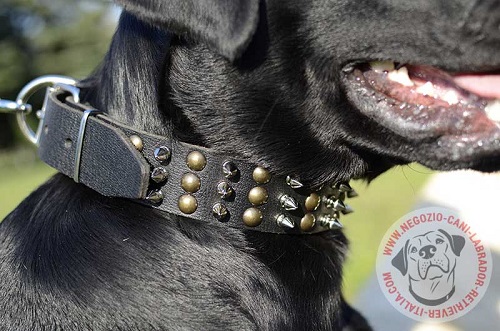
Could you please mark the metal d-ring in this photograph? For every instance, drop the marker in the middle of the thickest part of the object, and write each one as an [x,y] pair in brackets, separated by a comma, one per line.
[53,83]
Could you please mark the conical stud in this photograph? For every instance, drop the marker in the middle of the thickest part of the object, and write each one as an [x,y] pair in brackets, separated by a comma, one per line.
[293,183]
[348,209]
[159,175]
[224,190]
[344,187]
[335,204]
[352,194]
[162,154]
[229,169]
[285,222]
[220,212]
[330,222]
[155,197]
[288,202]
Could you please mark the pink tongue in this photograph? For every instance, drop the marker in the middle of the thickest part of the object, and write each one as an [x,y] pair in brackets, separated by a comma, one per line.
[486,86]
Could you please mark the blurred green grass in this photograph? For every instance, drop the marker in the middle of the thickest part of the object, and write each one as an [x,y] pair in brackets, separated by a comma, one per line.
[380,204]
[20,173]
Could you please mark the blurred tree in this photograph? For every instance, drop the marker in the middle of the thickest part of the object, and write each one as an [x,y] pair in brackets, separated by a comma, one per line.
[37,37]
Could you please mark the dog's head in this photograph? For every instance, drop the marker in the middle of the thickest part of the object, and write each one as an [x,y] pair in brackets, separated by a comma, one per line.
[293,85]
[430,255]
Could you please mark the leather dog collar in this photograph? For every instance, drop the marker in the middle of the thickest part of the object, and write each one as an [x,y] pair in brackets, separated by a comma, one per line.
[179,178]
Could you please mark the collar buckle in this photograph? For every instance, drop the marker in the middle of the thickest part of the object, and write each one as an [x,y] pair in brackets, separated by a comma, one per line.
[52,83]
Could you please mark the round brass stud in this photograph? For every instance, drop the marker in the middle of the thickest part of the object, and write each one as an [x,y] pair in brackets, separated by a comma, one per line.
[261,175]
[196,161]
[187,204]
[137,142]
[307,222]
[312,202]
[258,196]
[252,217]
[190,183]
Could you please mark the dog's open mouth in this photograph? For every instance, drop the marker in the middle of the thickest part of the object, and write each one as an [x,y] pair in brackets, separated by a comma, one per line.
[423,102]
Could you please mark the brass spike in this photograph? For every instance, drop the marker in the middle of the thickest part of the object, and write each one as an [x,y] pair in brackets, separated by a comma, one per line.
[288,202]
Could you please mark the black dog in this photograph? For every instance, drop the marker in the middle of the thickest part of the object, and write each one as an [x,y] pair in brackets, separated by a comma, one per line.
[281,83]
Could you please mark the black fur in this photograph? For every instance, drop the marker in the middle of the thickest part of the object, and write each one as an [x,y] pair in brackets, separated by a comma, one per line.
[262,82]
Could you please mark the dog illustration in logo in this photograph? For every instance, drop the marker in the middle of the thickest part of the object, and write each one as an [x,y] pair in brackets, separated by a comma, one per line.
[429,260]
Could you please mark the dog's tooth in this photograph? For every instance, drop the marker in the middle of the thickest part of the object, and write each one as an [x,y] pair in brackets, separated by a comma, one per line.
[427,89]
[493,110]
[401,76]
[451,97]
[382,66]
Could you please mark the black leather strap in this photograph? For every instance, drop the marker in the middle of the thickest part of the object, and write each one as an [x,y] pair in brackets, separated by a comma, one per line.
[111,165]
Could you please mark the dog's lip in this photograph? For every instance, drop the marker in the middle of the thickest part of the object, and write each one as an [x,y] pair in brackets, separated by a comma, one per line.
[462,130]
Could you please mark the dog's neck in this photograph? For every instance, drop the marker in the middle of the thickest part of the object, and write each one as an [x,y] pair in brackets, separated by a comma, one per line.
[135,100]
[182,179]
